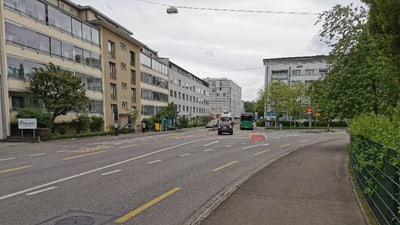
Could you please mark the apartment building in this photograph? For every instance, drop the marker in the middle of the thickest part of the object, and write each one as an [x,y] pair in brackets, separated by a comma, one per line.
[36,33]
[190,93]
[153,81]
[120,63]
[289,70]
[225,94]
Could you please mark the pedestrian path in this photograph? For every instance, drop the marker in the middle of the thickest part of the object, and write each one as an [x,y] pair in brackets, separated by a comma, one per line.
[310,186]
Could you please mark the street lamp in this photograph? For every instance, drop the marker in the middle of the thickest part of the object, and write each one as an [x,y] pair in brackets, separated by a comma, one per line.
[172,10]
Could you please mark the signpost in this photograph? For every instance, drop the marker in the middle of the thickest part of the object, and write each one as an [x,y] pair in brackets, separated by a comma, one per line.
[309,113]
[27,124]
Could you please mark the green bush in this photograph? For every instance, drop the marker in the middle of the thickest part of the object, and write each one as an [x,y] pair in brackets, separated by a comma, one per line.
[43,119]
[96,123]
[82,123]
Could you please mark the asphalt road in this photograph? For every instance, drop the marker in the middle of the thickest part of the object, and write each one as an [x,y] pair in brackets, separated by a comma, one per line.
[165,179]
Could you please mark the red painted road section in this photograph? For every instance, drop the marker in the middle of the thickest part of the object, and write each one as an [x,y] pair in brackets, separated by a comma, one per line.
[257,137]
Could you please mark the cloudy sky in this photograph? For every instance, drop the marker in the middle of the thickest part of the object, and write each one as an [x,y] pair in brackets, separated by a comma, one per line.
[212,43]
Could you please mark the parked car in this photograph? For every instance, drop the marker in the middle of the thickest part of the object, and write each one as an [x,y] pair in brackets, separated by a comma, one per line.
[212,124]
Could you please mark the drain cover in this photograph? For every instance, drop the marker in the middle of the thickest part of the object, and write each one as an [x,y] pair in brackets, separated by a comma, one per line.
[76,220]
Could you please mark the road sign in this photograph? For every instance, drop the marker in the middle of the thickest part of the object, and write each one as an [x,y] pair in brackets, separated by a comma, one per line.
[309,110]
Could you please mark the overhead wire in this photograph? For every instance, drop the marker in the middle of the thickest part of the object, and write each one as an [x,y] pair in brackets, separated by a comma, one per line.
[233,10]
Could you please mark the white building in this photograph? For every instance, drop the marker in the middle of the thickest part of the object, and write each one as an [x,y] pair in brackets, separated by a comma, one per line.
[190,93]
[225,94]
[304,69]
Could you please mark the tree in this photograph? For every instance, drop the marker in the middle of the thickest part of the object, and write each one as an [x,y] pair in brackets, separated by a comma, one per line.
[59,90]
[249,106]
[357,82]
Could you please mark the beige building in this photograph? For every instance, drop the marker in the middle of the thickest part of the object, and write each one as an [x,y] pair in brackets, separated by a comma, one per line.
[35,33]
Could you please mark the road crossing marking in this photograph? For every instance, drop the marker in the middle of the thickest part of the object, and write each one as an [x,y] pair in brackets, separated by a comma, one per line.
[147,205]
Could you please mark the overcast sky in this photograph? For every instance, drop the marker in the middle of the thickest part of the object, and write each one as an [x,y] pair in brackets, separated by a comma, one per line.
[220,44]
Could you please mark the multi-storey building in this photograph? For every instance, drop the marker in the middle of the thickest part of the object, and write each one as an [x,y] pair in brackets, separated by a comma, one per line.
[153,82]
[225,94]
[36,33]
[290,70]
[120,63]
[190,93]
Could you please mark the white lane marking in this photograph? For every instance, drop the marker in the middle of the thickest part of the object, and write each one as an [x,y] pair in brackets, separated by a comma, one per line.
[62,151]
[98,169]
[228,146]
[7,159]
[207,150]
[40,191]
[37,154]
[251,146]
[211,143]
[186,154]
[155,161]
[114,171]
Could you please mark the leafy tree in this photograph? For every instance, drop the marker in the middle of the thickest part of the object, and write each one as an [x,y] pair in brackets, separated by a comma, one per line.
[169,110]
[358,78]
[249,106]
[59,90]
[43,119]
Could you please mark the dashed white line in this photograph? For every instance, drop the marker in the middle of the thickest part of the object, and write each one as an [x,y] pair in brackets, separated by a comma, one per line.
[40,191]
[61,151]
[7,159]
[155,161]
[207,150]
[37,154]
[107,173]
[251,146]
[186,154]
[228,146]
[211,143]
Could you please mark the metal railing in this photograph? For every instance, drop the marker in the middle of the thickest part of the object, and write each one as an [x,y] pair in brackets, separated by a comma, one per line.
[377,176]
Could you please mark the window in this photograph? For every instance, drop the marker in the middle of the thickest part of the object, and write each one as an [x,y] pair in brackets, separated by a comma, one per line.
[122,46]
[111,49]
[95,36]
[133,95]
[67,50]
[76,28]
[113,72]
[96,106]
[17,102]
[309,72]
[123,66]
[132,58]
[13,33]
[15,67]
[78,55]
[296,72]
[133,77]
[113,91]
[95,60]
[93,83]
[124,105]
[55,47]
[86,32]
[171,93]
[86,57]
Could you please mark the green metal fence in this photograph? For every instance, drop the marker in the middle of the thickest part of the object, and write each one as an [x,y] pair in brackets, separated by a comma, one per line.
[377,175]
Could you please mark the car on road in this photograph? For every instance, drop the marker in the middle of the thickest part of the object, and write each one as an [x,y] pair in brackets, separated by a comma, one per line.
[225,126]
[212,124]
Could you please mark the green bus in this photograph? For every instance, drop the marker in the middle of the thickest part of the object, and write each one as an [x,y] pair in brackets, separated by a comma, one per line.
[247,121]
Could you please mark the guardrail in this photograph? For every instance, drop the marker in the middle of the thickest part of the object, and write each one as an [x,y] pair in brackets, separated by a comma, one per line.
[377,175]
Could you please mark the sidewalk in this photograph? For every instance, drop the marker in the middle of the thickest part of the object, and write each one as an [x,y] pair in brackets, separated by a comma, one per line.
[310,186]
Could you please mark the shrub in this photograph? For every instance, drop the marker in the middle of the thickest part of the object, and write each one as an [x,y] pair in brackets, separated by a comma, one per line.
[43,119]
[82,123]
[96,123]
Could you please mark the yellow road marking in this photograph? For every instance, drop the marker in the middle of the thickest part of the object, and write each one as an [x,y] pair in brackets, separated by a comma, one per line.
[282,146]
[259,153]
[147,205]
[224,166]
[79,156]
[92,149]
[127,146]
[302,141]
[14,169]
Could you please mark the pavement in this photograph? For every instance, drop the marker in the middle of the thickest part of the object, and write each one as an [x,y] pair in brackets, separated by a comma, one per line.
[310,186]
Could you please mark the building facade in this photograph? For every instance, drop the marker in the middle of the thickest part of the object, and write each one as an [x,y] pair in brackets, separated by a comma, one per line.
[189,93]
[304,69]
[36,33]
[225,94]
[154,83]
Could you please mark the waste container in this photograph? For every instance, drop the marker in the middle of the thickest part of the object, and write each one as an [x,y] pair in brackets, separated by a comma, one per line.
[157,127]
